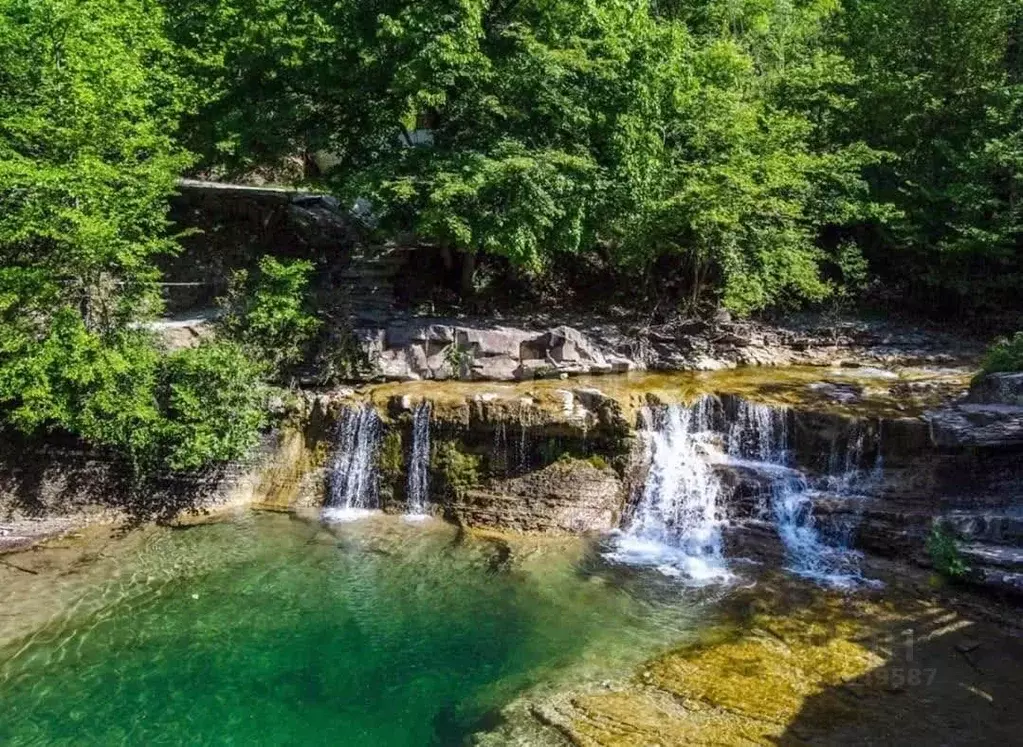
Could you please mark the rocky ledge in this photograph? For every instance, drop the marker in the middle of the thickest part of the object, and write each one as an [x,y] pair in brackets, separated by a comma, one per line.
[990,416]
[427,348]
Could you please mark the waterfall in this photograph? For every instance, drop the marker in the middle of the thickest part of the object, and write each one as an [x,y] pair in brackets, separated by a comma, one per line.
[677,523]
[419,465]
[352,472]
[759,432]
[678,519]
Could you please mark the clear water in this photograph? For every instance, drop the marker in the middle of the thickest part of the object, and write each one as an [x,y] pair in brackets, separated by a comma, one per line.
[272,630]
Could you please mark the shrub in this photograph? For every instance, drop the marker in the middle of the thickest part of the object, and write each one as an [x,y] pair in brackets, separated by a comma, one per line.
[269,313]
[458,471]
[1005,355]
[66,377]
[945,555]
[212,405]
[181,412]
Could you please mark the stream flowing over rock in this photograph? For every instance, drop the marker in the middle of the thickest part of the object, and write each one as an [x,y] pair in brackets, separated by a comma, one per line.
[419,461]
[767,466]
[354,478]
[703,456]
[676,524]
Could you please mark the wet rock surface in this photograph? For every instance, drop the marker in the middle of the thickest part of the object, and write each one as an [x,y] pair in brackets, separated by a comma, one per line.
[991,415]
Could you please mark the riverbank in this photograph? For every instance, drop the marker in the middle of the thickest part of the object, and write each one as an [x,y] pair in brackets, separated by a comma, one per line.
[853,458]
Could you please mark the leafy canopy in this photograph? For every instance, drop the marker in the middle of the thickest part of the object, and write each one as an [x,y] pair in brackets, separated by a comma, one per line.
[89,103]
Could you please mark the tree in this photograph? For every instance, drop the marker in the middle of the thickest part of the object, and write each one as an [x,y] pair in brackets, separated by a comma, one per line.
[702,130]
[939,91]
[89,103]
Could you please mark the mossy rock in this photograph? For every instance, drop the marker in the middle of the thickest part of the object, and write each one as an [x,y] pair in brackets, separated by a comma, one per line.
[457,471]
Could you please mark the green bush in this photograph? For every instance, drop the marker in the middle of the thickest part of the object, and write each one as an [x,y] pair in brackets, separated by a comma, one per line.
[212,406]
[63,376]
[181,411]
[1005,355]
[945,555]
[458,471]
[269,313]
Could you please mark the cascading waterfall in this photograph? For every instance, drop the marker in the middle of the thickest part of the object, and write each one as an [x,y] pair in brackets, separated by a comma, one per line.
[677,523]
[353,480]
[418,487]
[760,432]
[678,520]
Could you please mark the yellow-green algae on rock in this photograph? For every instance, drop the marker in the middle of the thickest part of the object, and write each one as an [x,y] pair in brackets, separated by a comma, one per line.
[896,392]
[822,668]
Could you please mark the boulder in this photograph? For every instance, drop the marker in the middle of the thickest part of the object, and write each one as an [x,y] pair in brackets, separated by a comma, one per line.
[497,341]
[568,345]
[998,389]
[494,368]
[977,425]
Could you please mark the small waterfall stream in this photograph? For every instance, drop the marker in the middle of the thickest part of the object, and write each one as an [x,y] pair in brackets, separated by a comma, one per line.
[353,487]
[677,523]
[418,486]
[678,520]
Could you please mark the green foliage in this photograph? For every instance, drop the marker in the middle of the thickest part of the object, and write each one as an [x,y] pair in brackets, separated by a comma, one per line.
[212,405]
[703,134]
[89,103]
[391,457]
[763,147]
[761,154]
[181,411]
[87,152]
[1005,355]
[939,89]
[458,358]
[268,314]
[457,470]
[97,386]
[598,462]
[945,555]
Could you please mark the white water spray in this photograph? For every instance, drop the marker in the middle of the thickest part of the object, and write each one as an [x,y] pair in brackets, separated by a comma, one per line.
[677,523]
[353,480]
[418,487]
[760,432]
[678,520]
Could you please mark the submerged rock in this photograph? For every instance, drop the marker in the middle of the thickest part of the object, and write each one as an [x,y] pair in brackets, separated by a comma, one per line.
[829,670]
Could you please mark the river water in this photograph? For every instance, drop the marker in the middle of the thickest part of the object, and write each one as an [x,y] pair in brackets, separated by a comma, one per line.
[273,630]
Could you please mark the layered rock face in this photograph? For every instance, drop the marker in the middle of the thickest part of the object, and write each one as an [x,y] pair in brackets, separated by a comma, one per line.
[556,462]
[548,457]
[422,348]
[990,416]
